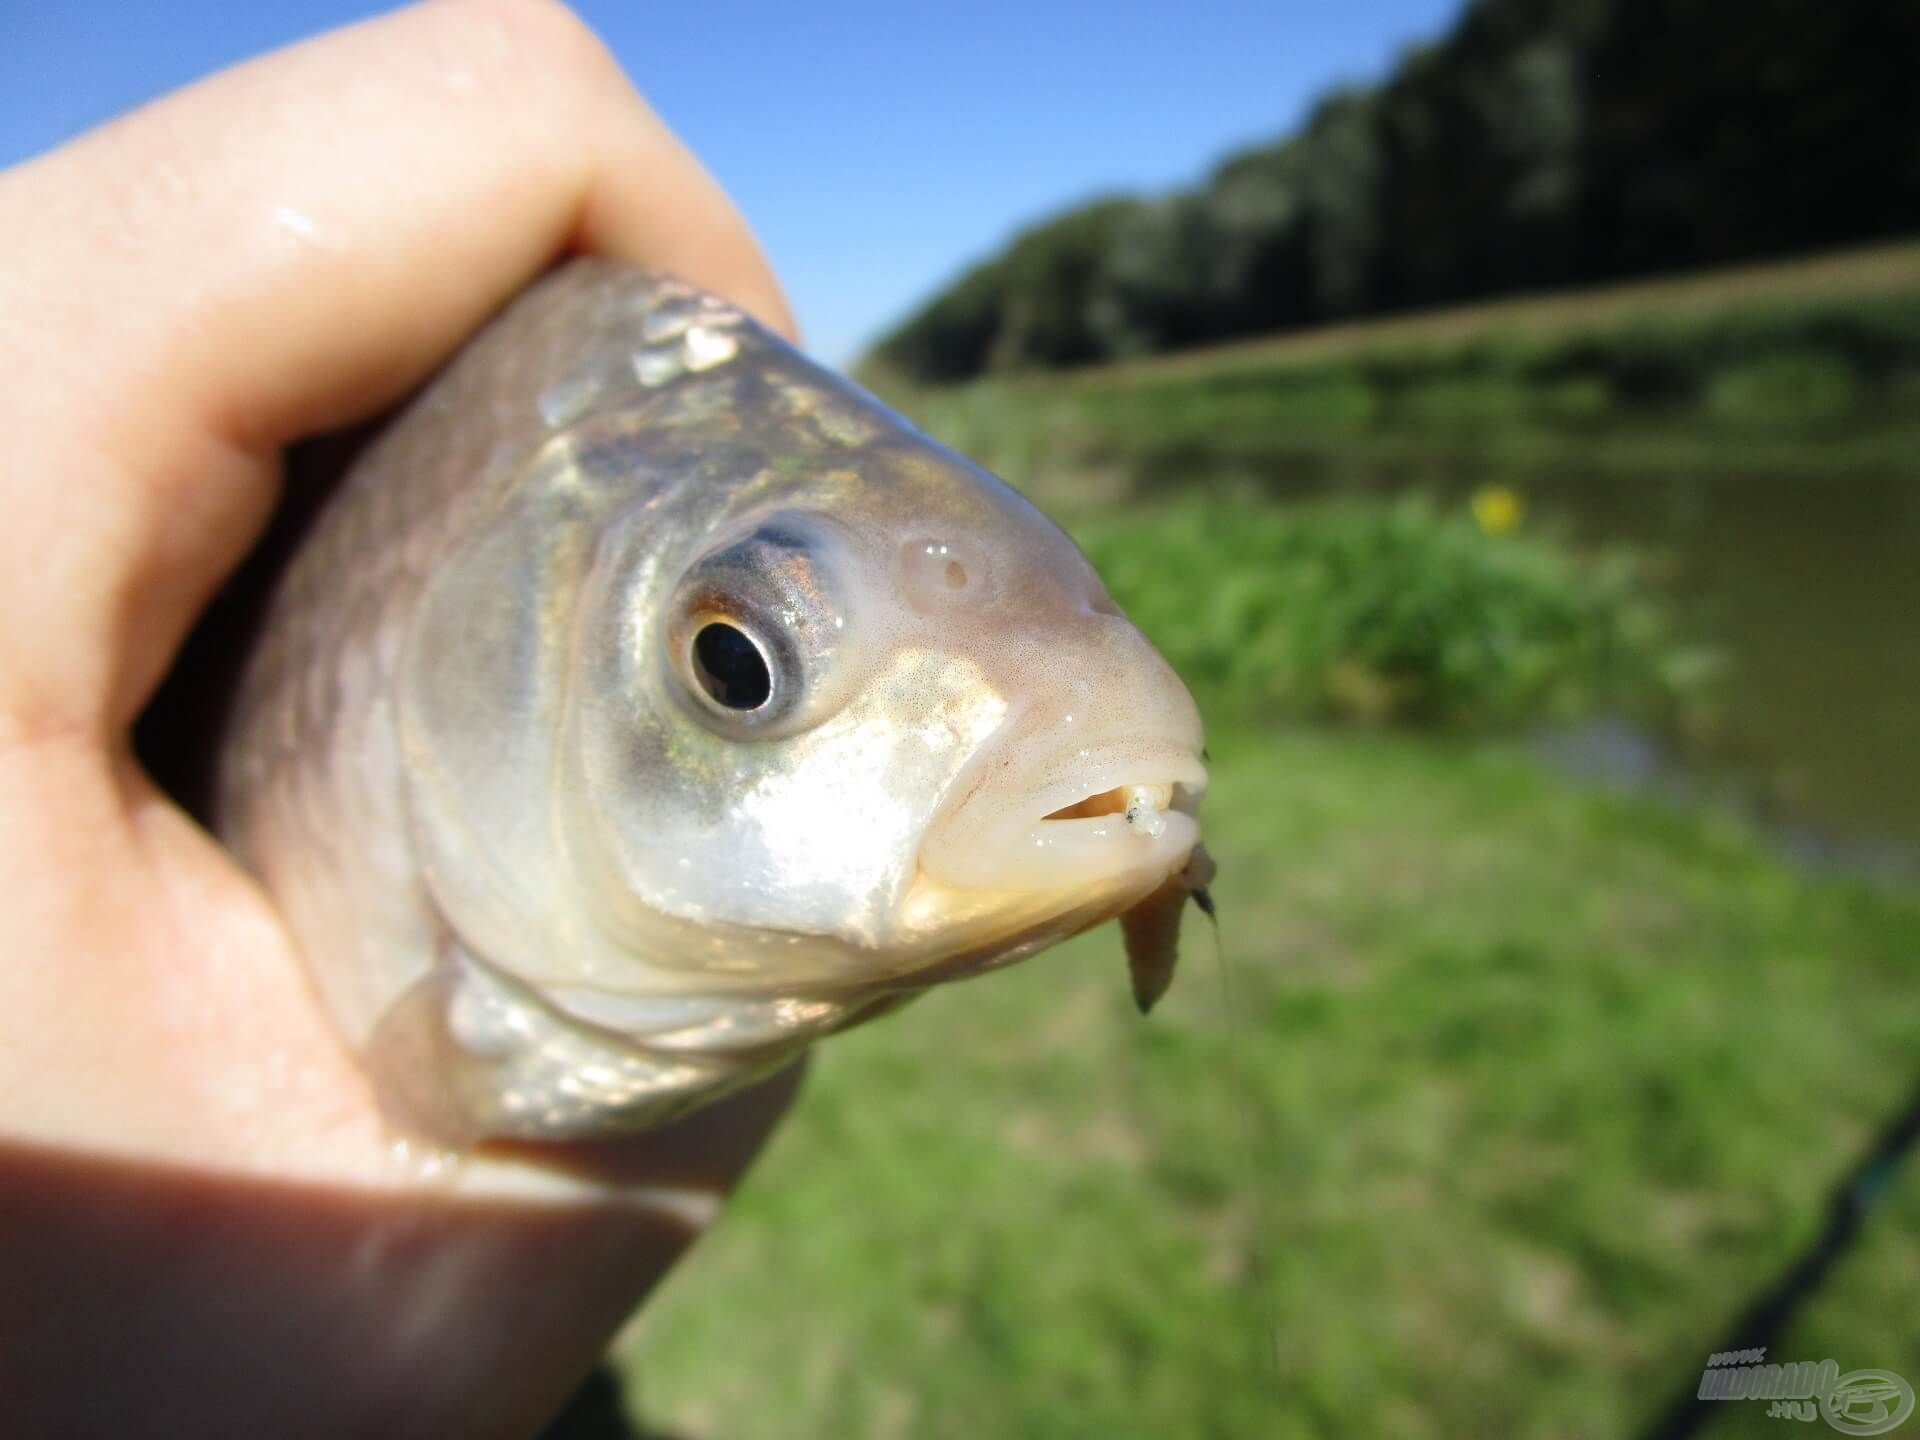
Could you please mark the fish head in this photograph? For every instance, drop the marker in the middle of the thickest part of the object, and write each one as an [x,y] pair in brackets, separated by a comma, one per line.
[874,720]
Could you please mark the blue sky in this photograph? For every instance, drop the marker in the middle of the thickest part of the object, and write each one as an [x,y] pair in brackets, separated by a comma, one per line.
[877,148]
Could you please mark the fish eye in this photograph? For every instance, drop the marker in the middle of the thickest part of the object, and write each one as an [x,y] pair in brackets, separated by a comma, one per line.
[730,667]
[758,634]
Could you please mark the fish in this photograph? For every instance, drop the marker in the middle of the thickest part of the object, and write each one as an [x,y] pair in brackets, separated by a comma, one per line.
[1151,929]
[650,702]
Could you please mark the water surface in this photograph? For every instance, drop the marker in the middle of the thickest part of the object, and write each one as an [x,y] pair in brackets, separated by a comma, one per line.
[1805,586]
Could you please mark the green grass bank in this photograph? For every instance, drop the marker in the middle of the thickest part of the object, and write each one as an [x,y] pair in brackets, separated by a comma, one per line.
[1523,1090]
[1811,366]
[1528,1089]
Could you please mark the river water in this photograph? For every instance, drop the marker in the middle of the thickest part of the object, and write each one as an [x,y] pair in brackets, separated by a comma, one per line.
[1807,589]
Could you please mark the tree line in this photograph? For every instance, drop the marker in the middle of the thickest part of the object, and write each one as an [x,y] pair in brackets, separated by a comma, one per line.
[1540,143]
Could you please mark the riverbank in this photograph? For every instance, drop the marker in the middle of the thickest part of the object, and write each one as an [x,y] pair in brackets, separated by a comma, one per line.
[1532,1088]
[1753,434]
[1529,1091]
[1809,368]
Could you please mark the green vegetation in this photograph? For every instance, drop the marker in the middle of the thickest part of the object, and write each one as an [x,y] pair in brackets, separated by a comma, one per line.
[1530,1089]
[1865,1308]
[1523,1089]
[1540,143]
[1668,376]
[1386,613]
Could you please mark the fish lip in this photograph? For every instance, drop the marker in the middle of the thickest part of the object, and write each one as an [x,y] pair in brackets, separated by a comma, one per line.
[1109,770]
[1022,849]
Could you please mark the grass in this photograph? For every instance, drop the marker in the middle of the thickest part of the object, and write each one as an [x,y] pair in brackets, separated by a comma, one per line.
[1862,1318]
[1811,365]
[1530,1088]
[1523,1090]
[1407,613]
[1842,278]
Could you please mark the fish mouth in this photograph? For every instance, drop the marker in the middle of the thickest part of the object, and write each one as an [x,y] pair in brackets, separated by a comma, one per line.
[1122,816]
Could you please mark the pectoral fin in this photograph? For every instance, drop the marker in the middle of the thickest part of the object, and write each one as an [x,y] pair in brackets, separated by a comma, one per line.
[471,1054]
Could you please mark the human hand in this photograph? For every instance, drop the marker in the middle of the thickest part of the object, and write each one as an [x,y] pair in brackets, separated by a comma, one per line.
[204,1224]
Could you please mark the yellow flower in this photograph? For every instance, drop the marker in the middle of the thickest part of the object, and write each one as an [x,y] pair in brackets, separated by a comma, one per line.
[1497,509]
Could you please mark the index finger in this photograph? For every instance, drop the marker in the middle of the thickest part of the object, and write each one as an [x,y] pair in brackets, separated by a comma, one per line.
[279,249]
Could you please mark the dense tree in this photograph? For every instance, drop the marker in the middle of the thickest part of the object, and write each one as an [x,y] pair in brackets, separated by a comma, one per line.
[1049,281]
[1541,142]
[1341,171]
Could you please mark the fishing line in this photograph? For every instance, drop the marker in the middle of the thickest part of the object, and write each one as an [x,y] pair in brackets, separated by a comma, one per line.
[1233,1031]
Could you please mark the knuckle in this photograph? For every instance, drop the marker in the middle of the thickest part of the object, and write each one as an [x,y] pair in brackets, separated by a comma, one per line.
[512,42]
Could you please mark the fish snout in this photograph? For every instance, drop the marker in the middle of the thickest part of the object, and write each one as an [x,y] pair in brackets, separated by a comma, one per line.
[1096,778]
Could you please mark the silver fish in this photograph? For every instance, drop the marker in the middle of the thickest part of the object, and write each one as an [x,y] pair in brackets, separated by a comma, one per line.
[651,702]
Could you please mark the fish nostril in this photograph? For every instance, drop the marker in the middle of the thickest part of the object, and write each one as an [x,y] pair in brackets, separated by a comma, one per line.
[936,573]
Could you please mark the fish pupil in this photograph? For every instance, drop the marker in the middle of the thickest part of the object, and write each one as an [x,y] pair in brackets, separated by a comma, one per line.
[730,667]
